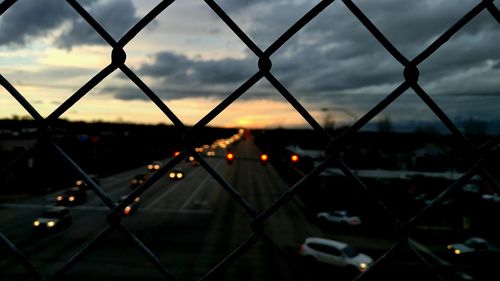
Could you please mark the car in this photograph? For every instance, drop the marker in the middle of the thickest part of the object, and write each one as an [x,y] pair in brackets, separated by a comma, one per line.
[493,198]
[137,180]
[339,217]
[471,245]
[132,207]
[176,174]
[210,153]
[476,252]
[193,161]
[82,184]
[335,253]
[54,218]
[154,166]
[71,197]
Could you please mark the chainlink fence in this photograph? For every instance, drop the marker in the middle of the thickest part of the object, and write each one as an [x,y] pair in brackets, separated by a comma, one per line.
[264,71]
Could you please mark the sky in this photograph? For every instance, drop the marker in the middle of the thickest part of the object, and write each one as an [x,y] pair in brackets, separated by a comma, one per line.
[192,61]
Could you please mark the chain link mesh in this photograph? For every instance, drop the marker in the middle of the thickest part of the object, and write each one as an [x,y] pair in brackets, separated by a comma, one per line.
[264,72]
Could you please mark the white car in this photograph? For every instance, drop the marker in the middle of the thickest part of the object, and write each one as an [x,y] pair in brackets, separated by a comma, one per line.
[340,217]
[471,245]
[335,253]
[494,198]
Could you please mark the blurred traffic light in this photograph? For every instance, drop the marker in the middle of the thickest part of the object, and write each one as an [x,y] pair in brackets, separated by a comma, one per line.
[264,158]
[294,158]
[230,157]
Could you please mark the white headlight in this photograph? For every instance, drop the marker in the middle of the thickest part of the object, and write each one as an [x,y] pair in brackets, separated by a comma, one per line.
[51,224]
[363,266]
[171,175]
[36,223]
[179,175]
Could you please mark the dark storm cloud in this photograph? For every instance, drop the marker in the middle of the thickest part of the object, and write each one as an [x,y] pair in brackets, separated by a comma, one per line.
[115,16]
[26,20]
[179,69]
[338,47]
[335,52]
[335,60]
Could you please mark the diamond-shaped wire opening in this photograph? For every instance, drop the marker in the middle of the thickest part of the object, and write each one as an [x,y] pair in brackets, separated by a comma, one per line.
[335,70]
[188,76]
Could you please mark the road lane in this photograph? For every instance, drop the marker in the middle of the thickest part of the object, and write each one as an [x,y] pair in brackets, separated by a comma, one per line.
[190,224]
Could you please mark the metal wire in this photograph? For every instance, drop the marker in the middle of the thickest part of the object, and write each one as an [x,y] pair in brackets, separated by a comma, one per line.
[264,70]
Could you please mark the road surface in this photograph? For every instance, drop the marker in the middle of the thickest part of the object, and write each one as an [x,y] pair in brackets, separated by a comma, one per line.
[191,225]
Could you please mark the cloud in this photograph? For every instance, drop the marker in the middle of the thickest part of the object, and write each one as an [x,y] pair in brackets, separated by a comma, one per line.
[177,68]
[335,60]
[336,53]
[115,16]
[28,20]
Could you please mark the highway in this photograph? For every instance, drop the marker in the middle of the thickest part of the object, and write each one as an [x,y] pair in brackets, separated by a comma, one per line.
[190,224]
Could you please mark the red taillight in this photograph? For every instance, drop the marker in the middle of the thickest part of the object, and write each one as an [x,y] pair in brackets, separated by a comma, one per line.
[301,250]
[176,153]
[355,221]
[127,210]
[294,158]
[230,156]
